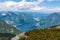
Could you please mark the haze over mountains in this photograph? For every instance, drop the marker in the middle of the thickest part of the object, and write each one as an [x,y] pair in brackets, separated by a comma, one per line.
[25,21]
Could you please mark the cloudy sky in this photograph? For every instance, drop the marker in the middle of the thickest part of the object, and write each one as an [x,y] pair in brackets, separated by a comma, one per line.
[30,5]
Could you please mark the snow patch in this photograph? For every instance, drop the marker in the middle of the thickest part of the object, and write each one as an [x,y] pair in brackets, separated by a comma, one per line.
[9,22]
[3,14]
[36,19]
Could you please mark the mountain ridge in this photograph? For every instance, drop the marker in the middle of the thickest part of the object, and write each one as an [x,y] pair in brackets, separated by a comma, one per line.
[26,21]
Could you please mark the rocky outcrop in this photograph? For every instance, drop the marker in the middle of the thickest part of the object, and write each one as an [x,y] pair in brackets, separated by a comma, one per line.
[56,26]
[17,37]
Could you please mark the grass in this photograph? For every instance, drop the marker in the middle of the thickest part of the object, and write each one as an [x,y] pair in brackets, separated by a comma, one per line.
[42,34]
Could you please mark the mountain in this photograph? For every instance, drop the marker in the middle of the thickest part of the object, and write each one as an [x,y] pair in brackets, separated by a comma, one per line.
[42,34]
[52,20]
[6,28]
[7,31]
[23,21]
[26,21]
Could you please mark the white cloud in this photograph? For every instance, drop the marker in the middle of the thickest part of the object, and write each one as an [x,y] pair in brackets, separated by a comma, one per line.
[25,6]
[56,9]
[19,6]
[37,8]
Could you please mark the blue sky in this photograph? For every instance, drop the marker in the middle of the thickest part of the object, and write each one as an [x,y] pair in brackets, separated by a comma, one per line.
[30,5]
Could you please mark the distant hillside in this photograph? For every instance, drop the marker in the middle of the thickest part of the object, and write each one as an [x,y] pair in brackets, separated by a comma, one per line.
[6,36]
[7,31]
[53,19]
[5,28]
[42,34]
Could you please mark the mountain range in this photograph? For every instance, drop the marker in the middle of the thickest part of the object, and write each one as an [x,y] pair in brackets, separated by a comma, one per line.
[25,21]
